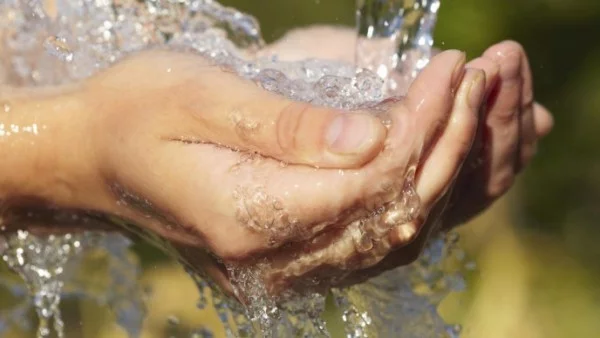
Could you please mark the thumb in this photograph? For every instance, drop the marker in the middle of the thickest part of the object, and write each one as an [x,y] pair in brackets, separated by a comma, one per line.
[219,107]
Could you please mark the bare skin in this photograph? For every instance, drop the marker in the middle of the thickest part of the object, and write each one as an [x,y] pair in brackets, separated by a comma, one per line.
[160,141]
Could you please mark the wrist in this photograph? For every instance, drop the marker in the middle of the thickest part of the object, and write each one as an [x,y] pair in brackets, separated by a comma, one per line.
[45,155]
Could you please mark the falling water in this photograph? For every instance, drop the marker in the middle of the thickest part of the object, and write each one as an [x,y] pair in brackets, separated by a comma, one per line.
[395,39]
[89,35]
[41,261]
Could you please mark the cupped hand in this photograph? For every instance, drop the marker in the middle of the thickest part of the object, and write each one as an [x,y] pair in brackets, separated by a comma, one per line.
[209,160]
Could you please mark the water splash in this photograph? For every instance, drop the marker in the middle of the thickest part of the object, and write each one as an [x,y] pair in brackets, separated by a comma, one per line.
[403,302]
[57,267]
[89,35]
[41,262]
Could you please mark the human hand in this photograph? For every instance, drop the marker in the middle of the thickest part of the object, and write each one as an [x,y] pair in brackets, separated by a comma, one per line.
[170,165]
[247,208]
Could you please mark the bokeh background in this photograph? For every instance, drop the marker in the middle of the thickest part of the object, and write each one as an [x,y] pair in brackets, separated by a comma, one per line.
[538,249]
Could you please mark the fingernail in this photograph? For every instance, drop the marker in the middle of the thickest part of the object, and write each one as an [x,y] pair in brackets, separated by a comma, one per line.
[350,133]
[459,70]
[476,90]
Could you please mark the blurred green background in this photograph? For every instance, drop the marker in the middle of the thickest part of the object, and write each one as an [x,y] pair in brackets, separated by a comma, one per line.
[538,249]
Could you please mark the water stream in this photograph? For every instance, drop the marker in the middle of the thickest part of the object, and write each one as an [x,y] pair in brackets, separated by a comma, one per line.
[87,36]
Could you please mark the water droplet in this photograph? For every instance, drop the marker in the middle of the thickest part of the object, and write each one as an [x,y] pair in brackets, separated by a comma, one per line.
[173,320]
[58,47]
[5,107]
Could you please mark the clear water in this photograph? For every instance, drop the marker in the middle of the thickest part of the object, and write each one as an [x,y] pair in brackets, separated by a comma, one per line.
[59,267]
[395,39]
[89,35]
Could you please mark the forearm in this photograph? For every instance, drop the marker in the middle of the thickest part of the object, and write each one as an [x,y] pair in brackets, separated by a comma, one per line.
[42,146]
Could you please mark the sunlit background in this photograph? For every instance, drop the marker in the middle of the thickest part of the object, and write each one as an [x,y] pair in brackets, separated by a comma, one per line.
[538,249]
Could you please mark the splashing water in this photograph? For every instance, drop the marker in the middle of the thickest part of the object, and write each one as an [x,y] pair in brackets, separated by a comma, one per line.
[89,35]
[41,262]
[55,267]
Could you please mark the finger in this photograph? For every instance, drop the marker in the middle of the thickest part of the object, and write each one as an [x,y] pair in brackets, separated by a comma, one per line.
[503,120]
[430,96]
[543,120]
[445,161]
[417,120]
[491,71]
[454,144]
[428,104]
[290,131]
[528,129]
[219,107]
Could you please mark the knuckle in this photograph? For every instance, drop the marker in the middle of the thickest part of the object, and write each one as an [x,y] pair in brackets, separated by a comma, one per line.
[288,124]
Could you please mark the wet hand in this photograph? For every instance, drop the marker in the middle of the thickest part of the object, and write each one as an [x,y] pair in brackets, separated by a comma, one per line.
[188,151]
[208,160]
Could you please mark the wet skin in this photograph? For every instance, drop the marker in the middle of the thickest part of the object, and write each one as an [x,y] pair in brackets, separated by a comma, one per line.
[209,161]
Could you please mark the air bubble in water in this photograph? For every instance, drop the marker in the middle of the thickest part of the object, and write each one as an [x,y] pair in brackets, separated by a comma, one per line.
[369,85]
[331,89]
[173,320]
[6,107]
[272,80]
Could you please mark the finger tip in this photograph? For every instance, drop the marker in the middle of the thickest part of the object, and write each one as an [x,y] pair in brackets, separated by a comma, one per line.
[491,70]
[374,146]
[504,49]
[453,58]
[544,121]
